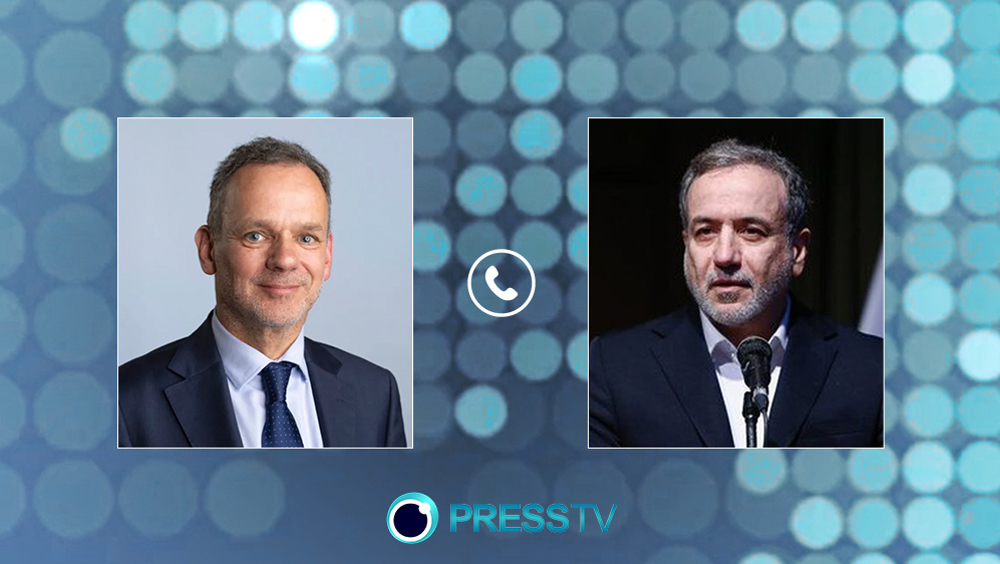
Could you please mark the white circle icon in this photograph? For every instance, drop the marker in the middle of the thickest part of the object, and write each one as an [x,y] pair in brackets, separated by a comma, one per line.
[506,295]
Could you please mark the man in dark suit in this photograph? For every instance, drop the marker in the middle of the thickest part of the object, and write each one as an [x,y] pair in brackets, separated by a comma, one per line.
[247,376]
[676,381]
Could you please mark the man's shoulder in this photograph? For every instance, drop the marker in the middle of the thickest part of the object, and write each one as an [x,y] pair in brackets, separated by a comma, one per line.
[148,369]
[350,365]
[648,331]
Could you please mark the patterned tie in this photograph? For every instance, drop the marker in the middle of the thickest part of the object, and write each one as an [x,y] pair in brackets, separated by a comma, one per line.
[280,429]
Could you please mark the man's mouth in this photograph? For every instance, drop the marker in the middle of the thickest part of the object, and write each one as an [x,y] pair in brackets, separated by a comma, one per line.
[280,289]
[729,284]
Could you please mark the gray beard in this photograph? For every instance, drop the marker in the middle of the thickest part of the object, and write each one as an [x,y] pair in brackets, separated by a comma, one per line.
[760,295]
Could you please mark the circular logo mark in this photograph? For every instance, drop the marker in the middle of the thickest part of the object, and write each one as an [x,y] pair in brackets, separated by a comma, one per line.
[491,275]
[412,518]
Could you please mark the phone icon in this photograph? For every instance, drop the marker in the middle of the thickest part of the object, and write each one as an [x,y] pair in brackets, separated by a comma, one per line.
[505,295]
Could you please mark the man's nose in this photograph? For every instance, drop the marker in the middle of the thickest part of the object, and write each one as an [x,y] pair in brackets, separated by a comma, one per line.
[727,249]
[282,255]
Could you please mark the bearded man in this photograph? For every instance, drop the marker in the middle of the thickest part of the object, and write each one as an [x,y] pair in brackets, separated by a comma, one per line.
[677,381]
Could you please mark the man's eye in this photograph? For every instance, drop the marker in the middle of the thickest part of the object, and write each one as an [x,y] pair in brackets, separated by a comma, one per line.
[308,239]
[254,237]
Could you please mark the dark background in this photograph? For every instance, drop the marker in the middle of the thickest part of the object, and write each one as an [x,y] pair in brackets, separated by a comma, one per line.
[636,249]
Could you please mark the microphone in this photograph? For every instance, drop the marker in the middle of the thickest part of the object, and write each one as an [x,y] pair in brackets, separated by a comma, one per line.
[754,354]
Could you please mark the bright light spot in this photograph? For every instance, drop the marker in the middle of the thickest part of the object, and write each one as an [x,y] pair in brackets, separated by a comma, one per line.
[314,25]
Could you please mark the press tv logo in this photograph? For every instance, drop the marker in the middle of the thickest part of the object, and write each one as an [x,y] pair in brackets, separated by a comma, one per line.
[413,517]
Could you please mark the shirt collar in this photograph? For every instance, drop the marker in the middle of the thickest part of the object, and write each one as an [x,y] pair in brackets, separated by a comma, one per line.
[723,351]
[243,362]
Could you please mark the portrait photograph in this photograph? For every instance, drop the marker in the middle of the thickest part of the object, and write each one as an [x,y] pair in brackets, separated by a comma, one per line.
[736,282]
[265,282]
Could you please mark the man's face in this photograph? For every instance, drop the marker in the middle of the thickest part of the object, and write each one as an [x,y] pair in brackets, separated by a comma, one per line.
[274,251]
[738,261]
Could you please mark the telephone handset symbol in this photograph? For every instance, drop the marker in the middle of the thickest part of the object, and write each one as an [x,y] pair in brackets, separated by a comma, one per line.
[491,276]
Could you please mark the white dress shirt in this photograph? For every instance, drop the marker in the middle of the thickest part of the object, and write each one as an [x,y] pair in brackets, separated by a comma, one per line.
[730,376]
[243,364]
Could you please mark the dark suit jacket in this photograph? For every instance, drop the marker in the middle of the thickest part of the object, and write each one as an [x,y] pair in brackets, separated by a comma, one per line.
[655,385]
[178,396]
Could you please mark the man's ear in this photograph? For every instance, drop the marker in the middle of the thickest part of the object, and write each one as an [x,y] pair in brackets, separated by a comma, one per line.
[329,256]
[206,249]
[800,247]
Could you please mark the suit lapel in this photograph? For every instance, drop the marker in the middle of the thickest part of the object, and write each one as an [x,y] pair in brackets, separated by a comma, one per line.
[334,397]
[811,350]
[683,356]
[201,401]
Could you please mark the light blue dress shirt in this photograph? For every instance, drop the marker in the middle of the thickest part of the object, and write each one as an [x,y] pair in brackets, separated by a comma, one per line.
[243,364]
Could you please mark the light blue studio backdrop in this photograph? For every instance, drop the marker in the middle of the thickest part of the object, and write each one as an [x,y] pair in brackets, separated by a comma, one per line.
[500,93]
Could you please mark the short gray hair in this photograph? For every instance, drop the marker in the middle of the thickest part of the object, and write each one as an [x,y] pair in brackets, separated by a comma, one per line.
[262,150]
[733,152]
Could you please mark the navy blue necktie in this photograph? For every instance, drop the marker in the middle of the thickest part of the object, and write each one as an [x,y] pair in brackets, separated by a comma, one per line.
[280,429]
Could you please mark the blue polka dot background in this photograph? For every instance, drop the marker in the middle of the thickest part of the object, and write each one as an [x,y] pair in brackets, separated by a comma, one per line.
[500,93]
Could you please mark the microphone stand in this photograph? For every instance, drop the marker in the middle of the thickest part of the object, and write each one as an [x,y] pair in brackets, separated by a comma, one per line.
[750,413]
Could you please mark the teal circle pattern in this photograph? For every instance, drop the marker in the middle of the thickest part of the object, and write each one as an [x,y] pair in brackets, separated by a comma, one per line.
[86,134]
[873,24]
[73,499]
[928,246]
[928,78]
[536,190]
[761,25]
[872,471]
[150,25]
[74,325]
[928,25]
[577,355]
[72,68]
[817,25]
[977,522]
[481,78]
[258,25]
[12,253]
[536,25]
[536,78]
[431,246]
[73,411]
[817,523]
[979,411]
[977,24]
[538,242]
[313,79]
[976,467]
[150,78]
[13,499]
[245,498]
[158,498]
[928,299]
[481,190]
[75,243]
[13,412]
[481,411]
[979,189]
[928,467]
[976,134]
[928,411]
[536,354]
[425,25]
[873,523]
[928,189]
[648,24]
[978,355]
[928,522]
[481,355]
[203,25]
[536,134]
[979,299]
